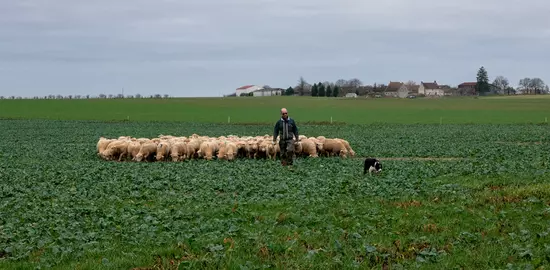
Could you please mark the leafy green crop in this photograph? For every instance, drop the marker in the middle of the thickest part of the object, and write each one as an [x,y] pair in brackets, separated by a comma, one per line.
[464,195]
[455,110]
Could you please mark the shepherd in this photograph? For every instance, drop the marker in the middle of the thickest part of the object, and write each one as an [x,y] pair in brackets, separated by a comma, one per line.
[287,129]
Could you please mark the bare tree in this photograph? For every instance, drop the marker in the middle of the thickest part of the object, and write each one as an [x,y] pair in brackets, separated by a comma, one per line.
[537,85]
[341,83]
[501,83]
[532,86]
[355,83]
[410,83]
[524,84]
[302,85]
[327,84]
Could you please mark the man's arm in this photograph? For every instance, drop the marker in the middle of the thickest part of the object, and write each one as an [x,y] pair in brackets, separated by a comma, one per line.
[276,131]
[295,129]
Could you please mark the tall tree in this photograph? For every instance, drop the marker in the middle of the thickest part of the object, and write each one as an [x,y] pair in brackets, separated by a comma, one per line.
[336,91]
[532,86]
[321,88]
[355,83]
[289,91]
[501,83]
[301,87]
[314,90]
[482,85]
[341,83]
[537,85]
[524,85]
[328,91]
[410,84]
[327,83]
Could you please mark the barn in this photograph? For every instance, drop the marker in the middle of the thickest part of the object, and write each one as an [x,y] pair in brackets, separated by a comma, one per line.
[266,92]
[247,89]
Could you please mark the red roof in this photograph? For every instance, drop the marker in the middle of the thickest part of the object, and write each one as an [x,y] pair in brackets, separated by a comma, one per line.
[467,84]
[245,87]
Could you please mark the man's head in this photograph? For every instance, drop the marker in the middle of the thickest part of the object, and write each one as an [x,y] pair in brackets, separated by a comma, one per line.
[284,113]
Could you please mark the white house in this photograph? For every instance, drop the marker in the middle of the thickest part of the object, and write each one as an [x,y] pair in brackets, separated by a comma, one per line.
[266,92]
[247,89]
[351,95]
[430,89]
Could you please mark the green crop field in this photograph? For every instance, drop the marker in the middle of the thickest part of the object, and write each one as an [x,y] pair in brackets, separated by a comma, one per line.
[485,110]
[472,192]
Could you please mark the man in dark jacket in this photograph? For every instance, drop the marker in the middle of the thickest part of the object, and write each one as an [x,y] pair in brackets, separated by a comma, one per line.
[287,129]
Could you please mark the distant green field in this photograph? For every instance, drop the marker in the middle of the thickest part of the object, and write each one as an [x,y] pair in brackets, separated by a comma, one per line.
[502,110]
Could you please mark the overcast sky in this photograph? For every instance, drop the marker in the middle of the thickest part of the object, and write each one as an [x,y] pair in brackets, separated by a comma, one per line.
[212,47]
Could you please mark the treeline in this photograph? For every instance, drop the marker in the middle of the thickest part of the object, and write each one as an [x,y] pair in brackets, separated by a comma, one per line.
[324,89]
[119,96]
[501,85]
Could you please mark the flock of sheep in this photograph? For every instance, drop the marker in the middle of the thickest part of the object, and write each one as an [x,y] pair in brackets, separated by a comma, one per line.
[167,147]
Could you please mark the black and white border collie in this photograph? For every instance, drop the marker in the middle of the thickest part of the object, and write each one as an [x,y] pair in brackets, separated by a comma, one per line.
[372,165]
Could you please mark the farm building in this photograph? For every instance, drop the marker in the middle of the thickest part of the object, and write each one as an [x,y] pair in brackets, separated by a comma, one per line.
[351,95]
[469,88]
[413,89]
[266,92]
[396,89]
[247,89]
[430,89]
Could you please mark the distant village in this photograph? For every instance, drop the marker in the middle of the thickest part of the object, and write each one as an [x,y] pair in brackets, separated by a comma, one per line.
[353,89]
